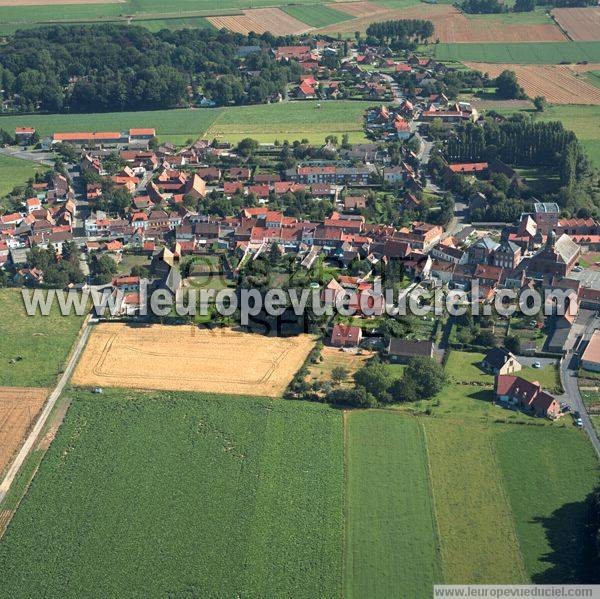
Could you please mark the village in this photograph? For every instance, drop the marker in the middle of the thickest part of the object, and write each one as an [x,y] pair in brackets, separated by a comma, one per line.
[120,207]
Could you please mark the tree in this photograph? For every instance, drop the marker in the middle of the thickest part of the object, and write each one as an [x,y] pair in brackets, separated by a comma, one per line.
[486,338]
[540,103]
[103,268]
[376,379]
[508,87]
[339,374]
[358,397]
[247,147]
[524,5]
[426,375]
[513,344]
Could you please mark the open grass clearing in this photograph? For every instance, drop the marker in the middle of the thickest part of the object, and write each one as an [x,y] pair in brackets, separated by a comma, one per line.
[41,342]
[317,16]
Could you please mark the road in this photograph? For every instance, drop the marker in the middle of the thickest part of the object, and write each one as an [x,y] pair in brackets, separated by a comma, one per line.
[44,158]
[45,413]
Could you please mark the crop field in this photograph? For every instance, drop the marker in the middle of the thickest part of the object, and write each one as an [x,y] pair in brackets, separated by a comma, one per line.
[33,349]
[14,171]
[523,53]
[173,24]
[478,538]
[580,24]
[260,20]
[292,121]
[317,16]
[559,84]
[183,358]
[360,9]
[547,487]
[19,408]
[212,496]
[390,517]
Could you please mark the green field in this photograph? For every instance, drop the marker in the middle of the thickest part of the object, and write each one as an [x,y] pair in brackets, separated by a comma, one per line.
[14,171]
[182,23]
[43,343]
[478,537]
[183,496]
[520,53]
[317,16]
[265,122]
[593,77]
[16,17]
[291,121]
[547,475]
[390,520]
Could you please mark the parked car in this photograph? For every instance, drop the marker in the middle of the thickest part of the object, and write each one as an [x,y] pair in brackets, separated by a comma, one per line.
[579,422]
[536,365]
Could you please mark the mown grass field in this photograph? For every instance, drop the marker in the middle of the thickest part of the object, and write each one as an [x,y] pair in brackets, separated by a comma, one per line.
[547,475]
[478,538]
[43,343]
[391,539]
[291,121]
[317,16]
[265,122]
[14,171]
[520,53]
[194,495]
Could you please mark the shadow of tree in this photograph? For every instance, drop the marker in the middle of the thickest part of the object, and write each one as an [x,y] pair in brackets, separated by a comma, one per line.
[572,558]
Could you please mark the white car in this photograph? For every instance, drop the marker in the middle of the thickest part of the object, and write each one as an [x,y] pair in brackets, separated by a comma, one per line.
[536,365]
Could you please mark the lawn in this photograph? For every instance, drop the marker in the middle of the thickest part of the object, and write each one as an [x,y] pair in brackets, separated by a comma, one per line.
[391,541]
[520,53]
[14,171]
[43,343]
[547,377]
[317,16]
[292,121]
[547,474]
[208,496]
[130,260]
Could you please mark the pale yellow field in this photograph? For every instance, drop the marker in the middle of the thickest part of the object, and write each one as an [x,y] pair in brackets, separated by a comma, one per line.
[182,358]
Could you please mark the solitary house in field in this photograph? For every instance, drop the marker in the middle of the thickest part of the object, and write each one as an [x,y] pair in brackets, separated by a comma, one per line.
[402,350]
[500,361]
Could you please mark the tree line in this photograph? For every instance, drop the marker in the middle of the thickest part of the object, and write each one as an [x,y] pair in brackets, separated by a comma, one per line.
[114,67]
[402,33]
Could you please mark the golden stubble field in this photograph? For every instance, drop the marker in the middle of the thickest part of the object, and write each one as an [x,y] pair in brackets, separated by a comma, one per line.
[182,358]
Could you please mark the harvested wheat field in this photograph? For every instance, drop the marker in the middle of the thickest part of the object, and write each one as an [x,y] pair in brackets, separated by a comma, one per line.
[580,24]
[450,24]
[181,358]
[19,408]
[360,9]
[260,20]
[560,84]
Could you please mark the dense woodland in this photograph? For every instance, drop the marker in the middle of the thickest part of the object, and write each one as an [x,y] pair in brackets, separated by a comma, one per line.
[495,6]
[113,67]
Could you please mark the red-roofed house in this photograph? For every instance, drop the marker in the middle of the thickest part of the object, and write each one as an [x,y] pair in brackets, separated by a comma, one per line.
[345,336]
[515,391]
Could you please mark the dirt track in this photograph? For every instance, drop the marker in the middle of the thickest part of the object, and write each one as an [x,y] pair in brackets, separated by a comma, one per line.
[185,358]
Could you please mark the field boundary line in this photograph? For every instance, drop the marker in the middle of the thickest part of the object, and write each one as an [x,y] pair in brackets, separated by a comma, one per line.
[345,515]
[436,524]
